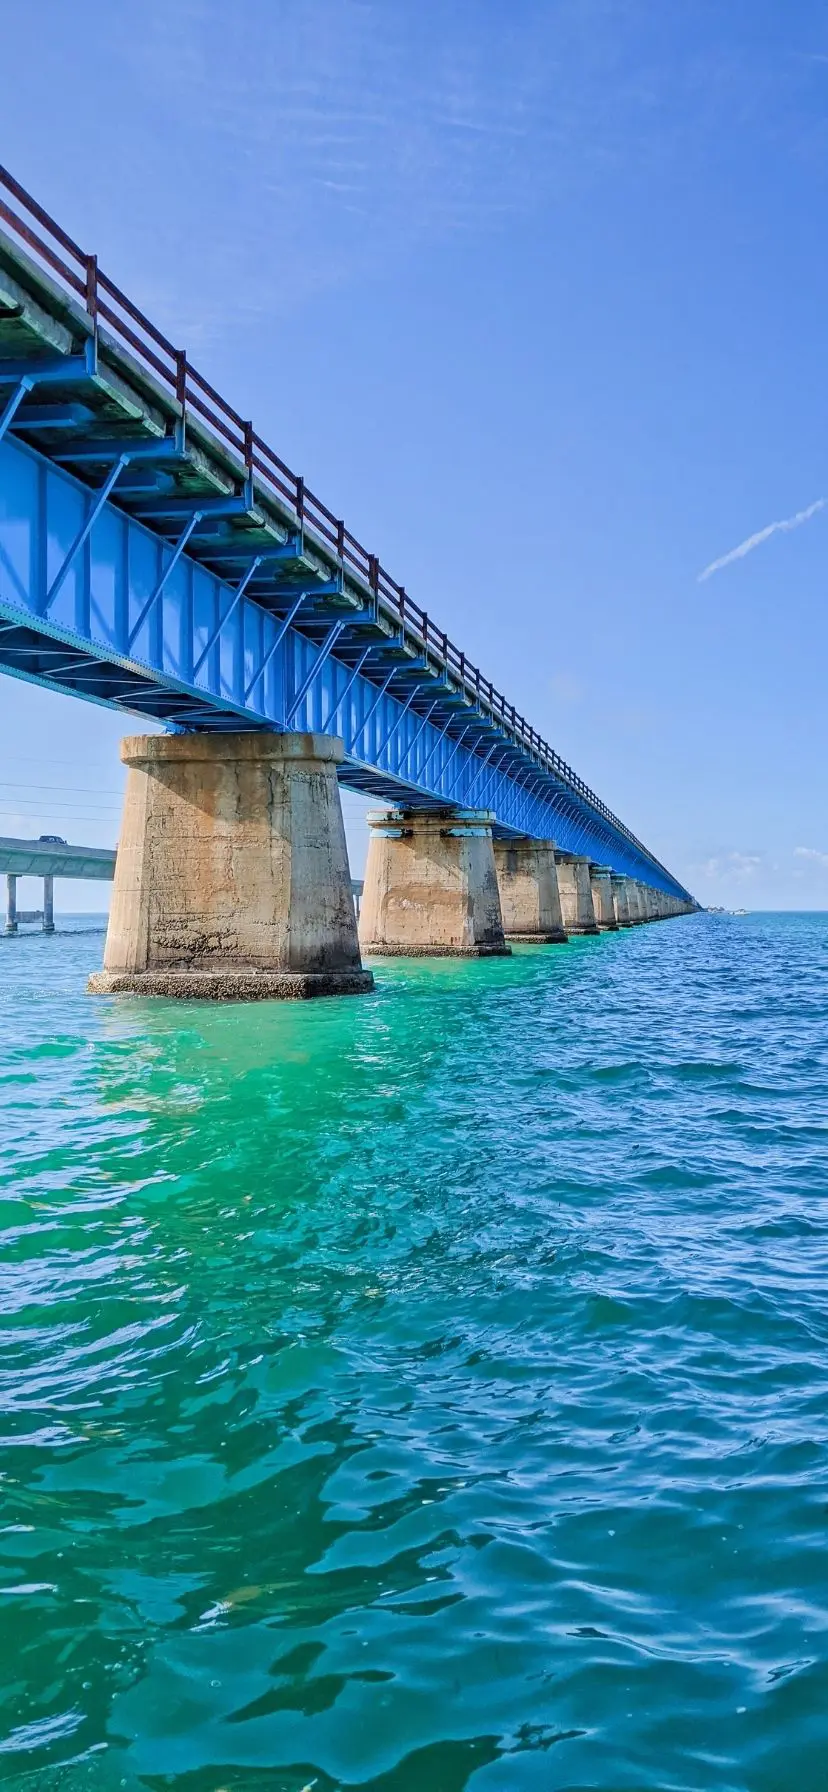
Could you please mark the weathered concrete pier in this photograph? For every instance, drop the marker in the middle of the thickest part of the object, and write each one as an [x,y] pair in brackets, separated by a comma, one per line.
[530,899]
[600,877]
[575,887]
[431,886]
[232,876]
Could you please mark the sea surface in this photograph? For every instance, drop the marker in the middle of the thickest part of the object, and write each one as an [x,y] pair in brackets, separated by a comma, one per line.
[426,1390]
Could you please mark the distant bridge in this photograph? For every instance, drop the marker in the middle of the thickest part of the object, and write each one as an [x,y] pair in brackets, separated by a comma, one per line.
[157,556]
[56,858]
[53,858]
[48,858]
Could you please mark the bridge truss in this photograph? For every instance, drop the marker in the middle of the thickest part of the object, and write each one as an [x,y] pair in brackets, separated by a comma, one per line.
[158,557]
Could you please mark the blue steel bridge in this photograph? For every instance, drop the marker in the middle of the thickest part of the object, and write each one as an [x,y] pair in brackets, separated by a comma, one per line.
[157,556]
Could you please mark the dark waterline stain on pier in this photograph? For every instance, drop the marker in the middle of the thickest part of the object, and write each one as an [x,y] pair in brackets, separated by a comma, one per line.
[424,1391]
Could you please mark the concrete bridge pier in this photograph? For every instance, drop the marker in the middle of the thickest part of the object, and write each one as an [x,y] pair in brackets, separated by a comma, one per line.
[621,898]
[638,906]
[232,878]
[600,878]
[11,902]
[48,923]
[575,887]
[530,900]
[431,885]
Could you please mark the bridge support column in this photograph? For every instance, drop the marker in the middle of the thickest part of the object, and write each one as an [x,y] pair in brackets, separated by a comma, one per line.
[600,878]
[232,877]
[11,902]
[637,902]
[575,887]
[621,899]
[431,886]
[48,903]
[530,901]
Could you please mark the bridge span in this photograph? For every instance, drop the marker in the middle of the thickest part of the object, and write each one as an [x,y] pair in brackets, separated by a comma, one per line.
[157,556]
[49,858]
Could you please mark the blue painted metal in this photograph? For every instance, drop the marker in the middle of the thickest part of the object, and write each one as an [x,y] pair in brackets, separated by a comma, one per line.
[14,404]
[157,556]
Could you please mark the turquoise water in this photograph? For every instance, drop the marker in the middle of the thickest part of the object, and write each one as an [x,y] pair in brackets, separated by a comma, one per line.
[428,1390]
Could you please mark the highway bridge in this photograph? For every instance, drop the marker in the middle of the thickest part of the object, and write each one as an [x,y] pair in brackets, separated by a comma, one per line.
[48,858]
[158,556]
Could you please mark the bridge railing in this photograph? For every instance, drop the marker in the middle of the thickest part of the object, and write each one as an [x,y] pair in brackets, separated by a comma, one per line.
[104,301]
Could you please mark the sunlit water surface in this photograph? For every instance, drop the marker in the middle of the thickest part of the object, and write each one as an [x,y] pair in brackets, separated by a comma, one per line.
[427,1390]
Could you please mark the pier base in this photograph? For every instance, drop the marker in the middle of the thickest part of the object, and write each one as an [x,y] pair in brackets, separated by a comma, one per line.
[576,893]
[600,878]
[232,878]
[530,900]
[48,923]
[431,886]
[11,902]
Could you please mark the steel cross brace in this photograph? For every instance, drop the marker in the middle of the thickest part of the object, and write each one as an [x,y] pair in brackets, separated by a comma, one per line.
[493,779]
[424,723]
[375,705]
[351,681]
[400,718]
[443,734]
[328,644]
[481,768]
[230,611]
[276,643]
[86,530]
[526,792]
[171,564]
[453,756]
[14,403]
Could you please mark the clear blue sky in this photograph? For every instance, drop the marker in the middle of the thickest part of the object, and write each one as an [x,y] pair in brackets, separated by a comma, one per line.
[535,294]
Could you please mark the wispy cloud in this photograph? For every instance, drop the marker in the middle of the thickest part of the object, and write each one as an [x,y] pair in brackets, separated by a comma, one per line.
[755,541]
[811,852]
[733,864]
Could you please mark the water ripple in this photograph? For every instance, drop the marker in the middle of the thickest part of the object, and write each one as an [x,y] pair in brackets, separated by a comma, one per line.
[424,1391]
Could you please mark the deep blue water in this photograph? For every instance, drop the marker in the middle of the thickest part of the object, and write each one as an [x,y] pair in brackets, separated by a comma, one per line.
[427,1390]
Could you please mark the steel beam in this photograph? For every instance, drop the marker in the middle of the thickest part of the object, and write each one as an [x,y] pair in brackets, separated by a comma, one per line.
[100,499]
[327,646]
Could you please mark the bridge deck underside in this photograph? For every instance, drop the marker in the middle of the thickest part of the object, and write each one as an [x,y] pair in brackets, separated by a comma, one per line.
[144,567]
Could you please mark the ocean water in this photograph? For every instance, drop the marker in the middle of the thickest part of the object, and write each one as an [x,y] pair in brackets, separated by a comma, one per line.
[427,1390]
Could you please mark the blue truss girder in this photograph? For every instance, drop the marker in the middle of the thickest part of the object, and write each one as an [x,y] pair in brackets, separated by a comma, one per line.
[138,572]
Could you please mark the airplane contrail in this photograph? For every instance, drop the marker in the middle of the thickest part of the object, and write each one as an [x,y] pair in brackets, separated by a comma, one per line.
[755,541]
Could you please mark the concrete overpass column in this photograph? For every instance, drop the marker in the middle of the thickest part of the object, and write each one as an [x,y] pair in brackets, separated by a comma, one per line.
[600,878]
[232,877]
[431,885]
[576,893]
[621,898]
[530,900]
[48,903]
[11,902]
